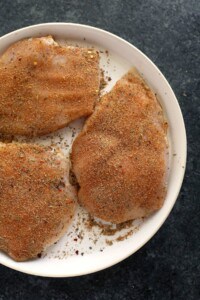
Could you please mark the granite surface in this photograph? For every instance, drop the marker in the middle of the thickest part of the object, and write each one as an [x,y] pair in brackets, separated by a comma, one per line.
[168,32]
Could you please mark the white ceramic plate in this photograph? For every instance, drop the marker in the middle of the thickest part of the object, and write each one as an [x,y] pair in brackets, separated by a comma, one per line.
[73,256]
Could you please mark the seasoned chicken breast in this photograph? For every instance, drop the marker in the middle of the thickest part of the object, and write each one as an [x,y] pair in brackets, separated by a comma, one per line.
[119,158]
[45,86]
[36,203]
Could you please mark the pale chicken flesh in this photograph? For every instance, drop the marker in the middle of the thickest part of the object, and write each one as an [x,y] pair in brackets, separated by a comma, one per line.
[120,157]
[37,203]
[45,86]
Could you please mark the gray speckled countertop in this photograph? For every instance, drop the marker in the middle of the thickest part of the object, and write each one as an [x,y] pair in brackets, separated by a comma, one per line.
[168,32]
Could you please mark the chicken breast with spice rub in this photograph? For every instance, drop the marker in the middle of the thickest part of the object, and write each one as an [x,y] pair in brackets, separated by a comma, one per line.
[120,157]
[45,86]
[37,202]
